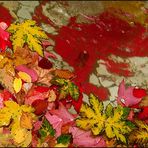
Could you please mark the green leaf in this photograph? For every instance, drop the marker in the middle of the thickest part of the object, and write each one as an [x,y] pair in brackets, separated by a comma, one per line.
[46,129]
[109,110]
[130,124]
[73,91]
[126,112]
[64,139]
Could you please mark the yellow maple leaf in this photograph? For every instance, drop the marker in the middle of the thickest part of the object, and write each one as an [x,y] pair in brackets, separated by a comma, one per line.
[27,32]
[94,118]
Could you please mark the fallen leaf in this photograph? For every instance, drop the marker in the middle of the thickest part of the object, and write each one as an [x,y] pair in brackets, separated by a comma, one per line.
[26,121]
[66,74]
[83,138]
[125,95]
[144,101]
[40,106]
[24,76]
[17,84]
[29,71]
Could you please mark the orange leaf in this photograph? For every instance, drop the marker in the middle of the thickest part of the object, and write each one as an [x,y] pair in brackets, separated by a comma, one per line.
[66,74]
[26,121]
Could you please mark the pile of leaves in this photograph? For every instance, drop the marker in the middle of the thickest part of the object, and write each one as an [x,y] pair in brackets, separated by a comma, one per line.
[41,106]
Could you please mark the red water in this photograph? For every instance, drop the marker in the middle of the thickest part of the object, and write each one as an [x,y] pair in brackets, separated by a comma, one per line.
[81,45]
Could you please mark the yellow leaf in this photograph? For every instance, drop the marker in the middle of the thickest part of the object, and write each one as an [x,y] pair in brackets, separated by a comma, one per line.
[93,117]
[27,32]
[61,145]
[140,136]
[24,76]
[17,84]
[21,117]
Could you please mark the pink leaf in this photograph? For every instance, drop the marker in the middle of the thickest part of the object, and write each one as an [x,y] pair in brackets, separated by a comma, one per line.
[29,71]
[63,114]
[37,125]
[56,122]
[85,139]
[1,101]
[125,95]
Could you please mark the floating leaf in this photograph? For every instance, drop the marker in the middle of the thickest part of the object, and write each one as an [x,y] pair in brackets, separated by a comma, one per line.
[17,84]
[27,32]
[24,76]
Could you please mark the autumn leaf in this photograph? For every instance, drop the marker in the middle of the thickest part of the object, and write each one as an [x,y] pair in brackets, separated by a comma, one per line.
[65,74]
[17,84]
[4,37]
[140,134]
[46,130]
[144,102]
[112,121]
[126,96]
[24,76]
[10,115]
[27,32]
[66,87]
[26,121]
[82,138]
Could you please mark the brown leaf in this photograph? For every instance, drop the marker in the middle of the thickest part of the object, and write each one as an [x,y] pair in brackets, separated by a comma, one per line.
[66,74]
[144,101]
[44,75]
[26,121]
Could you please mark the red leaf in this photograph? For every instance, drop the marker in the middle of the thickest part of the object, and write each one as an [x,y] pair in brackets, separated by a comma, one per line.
[4,37]
[40,106]
[143,115]
[139,93]
[45,63]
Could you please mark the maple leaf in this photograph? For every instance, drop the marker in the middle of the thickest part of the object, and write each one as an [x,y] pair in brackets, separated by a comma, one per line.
[66,87]
[140,134]
[83,138]
[112,121]
[27,32]
[58,118]
[13,112]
